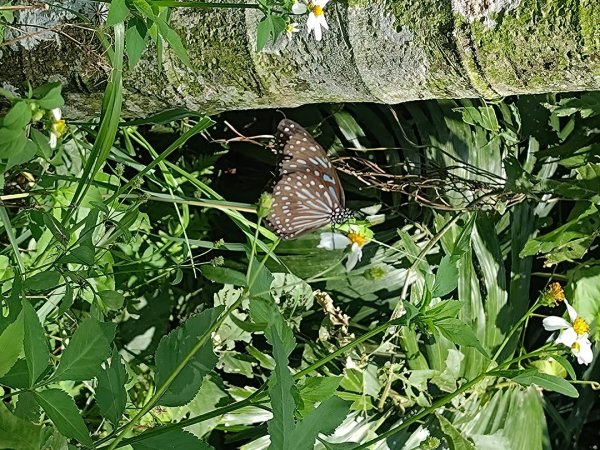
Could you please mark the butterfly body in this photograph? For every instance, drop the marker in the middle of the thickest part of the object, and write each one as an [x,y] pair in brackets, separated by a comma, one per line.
[308,194]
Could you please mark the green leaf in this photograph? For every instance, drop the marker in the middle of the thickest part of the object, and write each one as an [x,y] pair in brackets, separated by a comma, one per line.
[112,299]
[270,27]
[174,41]
[178,345]
[41,141]
[58,231]
[175,439]
[35,343]
[63,412]
[16,433]
[82,254]
[11,343]
[49,96]
[111,395]
[135,40]
[281,384]
[17,376]
[456,440]
[27,408]
[459,333]
[117,13]
[17,117]
[484,116]
[325,419]
[446,278]
[224,275]
[88,348]
[546,381]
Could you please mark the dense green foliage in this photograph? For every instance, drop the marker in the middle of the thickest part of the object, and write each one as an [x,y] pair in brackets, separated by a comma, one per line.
[143,303]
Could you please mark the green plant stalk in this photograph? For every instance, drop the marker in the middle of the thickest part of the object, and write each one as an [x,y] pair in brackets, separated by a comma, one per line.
[11,237]
[514,329]
[444,400]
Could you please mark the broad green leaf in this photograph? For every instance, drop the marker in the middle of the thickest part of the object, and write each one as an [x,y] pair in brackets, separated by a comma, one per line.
[82,254]
[111,395]
[88,348]
[49,96]
[11,343]
[264,312]
[135,40]
[63,412]
[324,419]
[446,277]
[35,343]
[17,376]
[224,275]
[545,381]
[259,282]
[17,117]
[281,384]
[263,32]
[179,347]
[41,141]
[456,440]
[112,299]
[459,333]
[56,442]
[16,433]
[445,309]
[43,281]
[117,13]
[27,408]
[174,439]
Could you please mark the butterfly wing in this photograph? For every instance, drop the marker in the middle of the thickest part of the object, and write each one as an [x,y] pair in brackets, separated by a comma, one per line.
[308,193]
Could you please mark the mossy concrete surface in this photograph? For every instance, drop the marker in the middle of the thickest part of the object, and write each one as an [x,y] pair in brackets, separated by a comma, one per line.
[386,51]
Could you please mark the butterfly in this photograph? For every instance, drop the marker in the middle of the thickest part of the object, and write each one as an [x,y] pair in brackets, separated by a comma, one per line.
[307,194]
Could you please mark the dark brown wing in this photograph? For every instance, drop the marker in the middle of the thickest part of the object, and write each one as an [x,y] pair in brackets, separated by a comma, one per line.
[308,193]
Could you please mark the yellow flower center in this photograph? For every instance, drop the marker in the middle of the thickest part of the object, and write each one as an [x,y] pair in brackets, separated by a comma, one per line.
[59,127]
[289,28]
[317,10]
[580,326]
[357,238]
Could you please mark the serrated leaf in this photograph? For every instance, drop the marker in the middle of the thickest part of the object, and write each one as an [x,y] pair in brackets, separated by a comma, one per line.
[89,347]
[459,333]
[35,343]
[178,345]
[281,384]
[11,343]
[16,433]
[63,412]
[324,419]
[175,439]
[456,440]
[117,13]
[111,395]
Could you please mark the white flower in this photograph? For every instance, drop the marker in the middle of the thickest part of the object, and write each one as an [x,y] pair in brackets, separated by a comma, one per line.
[57,127]
[316,19]
[298,7]
[573,334]
[291,29]
[338,241]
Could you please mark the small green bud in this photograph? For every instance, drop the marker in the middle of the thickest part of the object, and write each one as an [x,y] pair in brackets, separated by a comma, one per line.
[265,203]
[218,244]
[217,261]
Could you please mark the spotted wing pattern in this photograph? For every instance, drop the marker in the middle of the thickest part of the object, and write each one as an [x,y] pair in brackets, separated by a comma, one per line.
[308,193]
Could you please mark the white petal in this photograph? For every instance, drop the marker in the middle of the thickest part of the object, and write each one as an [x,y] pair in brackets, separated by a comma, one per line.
[56,113]
[53,140]
[323,22]
[375,219]
[311,23]
[298,8]
[553,323]
[584,352]
[321,3]
[354,257]
[371,210]
[571,311]
[567,337]
[333,241]
[317,30]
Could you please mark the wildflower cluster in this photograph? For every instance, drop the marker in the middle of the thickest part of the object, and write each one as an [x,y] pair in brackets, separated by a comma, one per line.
[573,333]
